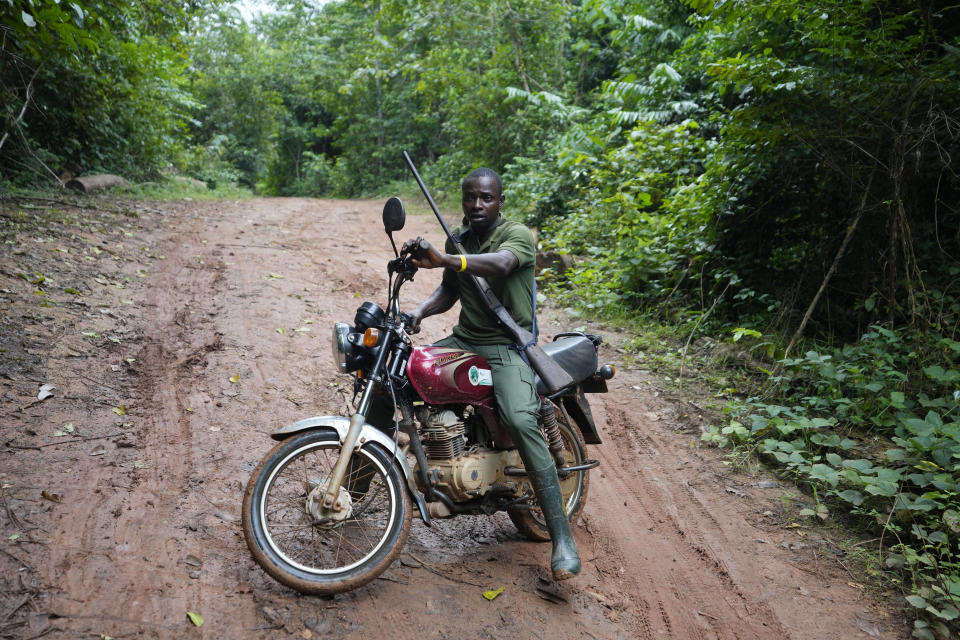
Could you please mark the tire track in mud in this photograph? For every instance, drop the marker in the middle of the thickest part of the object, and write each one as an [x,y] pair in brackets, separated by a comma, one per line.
[702,603]
[140,513]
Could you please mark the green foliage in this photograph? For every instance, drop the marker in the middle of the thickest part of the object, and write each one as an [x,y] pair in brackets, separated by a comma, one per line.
[95,84]
[177,187]
[236,117]
[639,216]
[874,428]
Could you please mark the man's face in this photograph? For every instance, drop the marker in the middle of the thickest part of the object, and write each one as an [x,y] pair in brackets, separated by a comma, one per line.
[481,202]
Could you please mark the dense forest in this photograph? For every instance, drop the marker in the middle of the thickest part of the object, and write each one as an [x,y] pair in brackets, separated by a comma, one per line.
[776,175]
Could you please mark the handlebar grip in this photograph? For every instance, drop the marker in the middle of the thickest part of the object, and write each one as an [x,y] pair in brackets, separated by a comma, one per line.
[407,320]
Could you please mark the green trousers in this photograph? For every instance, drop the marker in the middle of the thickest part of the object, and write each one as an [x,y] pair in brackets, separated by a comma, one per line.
[518,403]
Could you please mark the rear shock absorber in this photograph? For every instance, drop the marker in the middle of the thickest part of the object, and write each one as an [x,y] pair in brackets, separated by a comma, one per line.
[548,418]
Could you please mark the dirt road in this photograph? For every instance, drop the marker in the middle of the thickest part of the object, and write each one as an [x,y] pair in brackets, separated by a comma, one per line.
[178,335]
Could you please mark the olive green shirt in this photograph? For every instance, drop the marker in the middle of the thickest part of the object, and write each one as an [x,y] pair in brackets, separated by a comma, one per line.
[515,291]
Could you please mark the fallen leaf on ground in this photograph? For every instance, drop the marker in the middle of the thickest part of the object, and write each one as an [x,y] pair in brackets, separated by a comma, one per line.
[121,410]
[235,378]
[493,593]
[281,330]
[195,618]
[66,430]
[52,497]
[45,392]
[275,276]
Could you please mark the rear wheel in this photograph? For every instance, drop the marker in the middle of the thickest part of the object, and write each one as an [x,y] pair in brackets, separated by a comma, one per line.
[529,519]
[312,552]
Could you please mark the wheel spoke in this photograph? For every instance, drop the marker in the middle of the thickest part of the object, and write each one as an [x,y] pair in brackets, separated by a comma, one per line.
[289,532]
[328,545]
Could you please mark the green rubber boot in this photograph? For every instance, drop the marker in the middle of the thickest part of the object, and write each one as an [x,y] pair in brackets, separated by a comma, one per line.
[565,561]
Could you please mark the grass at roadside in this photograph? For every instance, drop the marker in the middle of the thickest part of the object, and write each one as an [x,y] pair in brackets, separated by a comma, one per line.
[166,188]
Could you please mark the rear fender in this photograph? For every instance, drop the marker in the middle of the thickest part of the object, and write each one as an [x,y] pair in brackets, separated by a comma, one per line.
[578,409]
[368,434]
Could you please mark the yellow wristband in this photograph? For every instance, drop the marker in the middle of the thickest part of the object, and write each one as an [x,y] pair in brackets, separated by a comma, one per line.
[463,263]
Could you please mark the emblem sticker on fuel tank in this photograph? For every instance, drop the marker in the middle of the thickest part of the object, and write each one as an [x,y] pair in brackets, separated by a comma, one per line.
[480,377]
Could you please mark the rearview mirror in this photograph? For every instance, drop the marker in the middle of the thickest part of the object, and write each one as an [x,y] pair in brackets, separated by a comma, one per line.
[394,215]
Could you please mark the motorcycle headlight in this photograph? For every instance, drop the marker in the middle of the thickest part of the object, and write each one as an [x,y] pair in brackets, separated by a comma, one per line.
[348,348]
[341,345]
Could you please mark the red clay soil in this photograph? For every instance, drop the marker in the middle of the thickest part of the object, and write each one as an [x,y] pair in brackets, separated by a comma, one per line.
[179,335]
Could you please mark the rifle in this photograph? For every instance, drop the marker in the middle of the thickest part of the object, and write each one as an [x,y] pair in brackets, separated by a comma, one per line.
[554,377]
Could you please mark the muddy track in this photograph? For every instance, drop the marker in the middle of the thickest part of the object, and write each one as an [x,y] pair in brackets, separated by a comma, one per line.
[211,324]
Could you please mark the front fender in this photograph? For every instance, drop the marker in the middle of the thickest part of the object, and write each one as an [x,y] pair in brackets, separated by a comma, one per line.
[368,434]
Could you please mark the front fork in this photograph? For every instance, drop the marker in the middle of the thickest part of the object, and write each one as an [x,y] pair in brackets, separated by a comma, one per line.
[331,501]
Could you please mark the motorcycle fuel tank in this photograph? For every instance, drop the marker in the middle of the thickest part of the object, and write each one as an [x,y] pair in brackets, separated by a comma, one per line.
[442,375]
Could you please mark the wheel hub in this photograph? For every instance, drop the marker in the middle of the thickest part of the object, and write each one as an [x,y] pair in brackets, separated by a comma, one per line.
[328,517]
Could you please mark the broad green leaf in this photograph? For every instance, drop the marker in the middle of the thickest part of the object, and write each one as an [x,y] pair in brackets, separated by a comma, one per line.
[897,399]
[851,496]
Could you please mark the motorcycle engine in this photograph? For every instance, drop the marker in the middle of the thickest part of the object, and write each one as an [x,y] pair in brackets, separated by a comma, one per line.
[443,434]
[461,476]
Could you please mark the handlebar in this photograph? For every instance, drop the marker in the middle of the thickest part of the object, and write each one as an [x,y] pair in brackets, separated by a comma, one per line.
[407,320]
[403,266]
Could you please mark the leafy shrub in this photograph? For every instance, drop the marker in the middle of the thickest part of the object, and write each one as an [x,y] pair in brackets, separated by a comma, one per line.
[640,217]
[874,428]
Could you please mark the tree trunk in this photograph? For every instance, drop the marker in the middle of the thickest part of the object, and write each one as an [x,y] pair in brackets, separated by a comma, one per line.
[88,184]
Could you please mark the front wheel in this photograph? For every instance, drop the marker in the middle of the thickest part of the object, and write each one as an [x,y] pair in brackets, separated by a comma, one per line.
[295,544]
[529,519]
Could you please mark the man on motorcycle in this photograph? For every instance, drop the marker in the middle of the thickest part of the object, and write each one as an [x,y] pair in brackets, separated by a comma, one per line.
[503,253]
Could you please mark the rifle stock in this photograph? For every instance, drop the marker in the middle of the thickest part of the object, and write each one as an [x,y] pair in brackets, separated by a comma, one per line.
[554,376]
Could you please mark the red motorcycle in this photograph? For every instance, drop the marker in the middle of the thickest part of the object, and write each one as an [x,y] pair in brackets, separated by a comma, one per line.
[330,506]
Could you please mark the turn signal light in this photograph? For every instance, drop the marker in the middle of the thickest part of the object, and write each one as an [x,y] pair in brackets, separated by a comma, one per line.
[371,337]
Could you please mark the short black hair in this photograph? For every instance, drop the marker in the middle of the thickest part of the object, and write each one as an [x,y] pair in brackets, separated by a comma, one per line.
[483,172]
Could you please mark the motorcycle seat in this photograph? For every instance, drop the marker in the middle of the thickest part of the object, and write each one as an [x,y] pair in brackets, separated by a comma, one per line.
[576,354]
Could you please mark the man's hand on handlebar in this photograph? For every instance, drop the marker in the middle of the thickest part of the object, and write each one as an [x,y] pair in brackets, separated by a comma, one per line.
[411,322]
[422,254]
